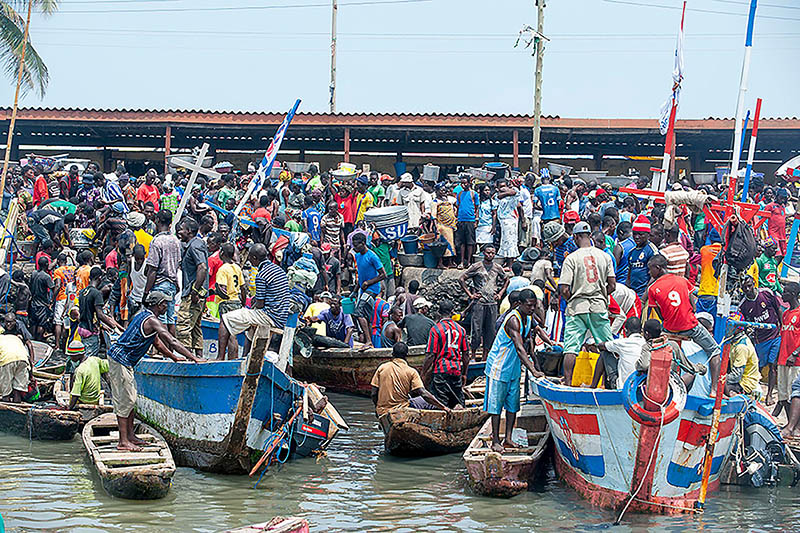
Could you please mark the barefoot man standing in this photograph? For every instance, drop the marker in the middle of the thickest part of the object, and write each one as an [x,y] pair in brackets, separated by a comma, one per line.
[144,331]
[503,368]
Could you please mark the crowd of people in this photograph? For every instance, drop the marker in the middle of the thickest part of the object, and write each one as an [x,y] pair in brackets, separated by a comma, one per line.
[577,266]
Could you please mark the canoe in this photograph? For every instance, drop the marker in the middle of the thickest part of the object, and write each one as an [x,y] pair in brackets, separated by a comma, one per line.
[235,408]
[615,451]
[142,475]
[40,423]
[276,525]
[412,432]
[87,411]
[349,370]
[503,475]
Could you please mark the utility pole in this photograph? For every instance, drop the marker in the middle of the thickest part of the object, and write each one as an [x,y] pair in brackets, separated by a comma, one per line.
[537,94]
[335,8]
[16,100]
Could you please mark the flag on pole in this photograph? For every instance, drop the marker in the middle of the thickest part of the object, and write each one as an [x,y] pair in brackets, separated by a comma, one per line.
[677,78]
[265,168]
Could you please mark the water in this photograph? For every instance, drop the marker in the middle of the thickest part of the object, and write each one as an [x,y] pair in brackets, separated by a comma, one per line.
[49,486]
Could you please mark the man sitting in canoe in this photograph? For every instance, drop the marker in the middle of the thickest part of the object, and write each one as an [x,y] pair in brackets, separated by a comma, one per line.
[395,384]
[338,324]
[503,369]
[144,331]
[15,364]
[447,358]
[86,386]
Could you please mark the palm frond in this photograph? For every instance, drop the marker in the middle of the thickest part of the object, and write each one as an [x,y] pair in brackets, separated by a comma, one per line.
[46,7]
[34,73]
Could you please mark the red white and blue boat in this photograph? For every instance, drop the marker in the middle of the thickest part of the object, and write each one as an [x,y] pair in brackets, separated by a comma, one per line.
[220,416]
[617,451]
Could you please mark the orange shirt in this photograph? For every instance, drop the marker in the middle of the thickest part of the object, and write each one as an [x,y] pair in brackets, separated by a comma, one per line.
[67,276]
[82,277]
[148,193]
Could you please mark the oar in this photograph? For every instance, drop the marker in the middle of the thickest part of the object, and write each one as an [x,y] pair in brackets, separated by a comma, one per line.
[278,437]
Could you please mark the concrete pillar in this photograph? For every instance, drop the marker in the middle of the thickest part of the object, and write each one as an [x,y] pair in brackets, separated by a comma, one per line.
[598,161]
[302,155]
[515,147]
[167,145]
[347,145]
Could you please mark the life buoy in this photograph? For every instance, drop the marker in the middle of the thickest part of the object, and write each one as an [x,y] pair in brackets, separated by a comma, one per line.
[634,404]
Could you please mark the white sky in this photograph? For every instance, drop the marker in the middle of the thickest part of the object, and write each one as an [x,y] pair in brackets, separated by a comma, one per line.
[607,58]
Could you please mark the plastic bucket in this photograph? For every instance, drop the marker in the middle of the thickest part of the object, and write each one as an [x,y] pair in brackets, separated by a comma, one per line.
[429,260]
[437,249]
[392,233]
[348,305]
[410,244]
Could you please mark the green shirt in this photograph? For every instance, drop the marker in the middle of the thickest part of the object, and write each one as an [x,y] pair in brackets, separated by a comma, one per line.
[170,201]
[293,226]
[86,382]
[224,194]
[63,207]
[383,251]
[377,191]
[768,273]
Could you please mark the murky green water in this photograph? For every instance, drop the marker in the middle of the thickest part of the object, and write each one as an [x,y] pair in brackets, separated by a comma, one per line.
[49,486]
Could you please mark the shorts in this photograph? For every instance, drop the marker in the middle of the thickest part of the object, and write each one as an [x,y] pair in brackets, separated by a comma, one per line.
[227,306]
[577,325]
[60,313]
[40,233]
[501,394]
[13,376]
[447,389]
[365,306]
[795,388]
[123,388]
[91,344]
[707,303]
[465,233]
[786,378]
[244,319]
[768,352]
[170,290]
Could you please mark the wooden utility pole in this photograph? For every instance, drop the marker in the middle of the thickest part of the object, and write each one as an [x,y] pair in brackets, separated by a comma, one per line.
[537,94]
[334,10]
[7,156]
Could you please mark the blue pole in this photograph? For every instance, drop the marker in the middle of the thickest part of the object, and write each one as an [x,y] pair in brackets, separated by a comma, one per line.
[787,259]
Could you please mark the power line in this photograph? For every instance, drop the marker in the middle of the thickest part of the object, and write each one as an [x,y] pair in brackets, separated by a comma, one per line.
[239,8]
[779,6]
[697,10]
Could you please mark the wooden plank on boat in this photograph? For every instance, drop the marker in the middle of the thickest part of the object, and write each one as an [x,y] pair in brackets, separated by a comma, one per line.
[420,433]
[329,410]
[142,475]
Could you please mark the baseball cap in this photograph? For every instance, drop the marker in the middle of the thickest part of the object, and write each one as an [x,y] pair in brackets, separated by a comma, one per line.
[420,302]
[406,178]
[581,227]
[571,217]
[326,294]
[705,316]
[155,298]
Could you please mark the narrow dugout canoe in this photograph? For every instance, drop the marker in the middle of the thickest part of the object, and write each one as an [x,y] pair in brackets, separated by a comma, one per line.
[348,370]
[40,423]
[87,411]
[276,525]
[142,475]
[503,475]
[412,432]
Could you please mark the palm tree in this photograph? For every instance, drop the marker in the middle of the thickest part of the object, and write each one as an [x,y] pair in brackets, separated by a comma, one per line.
[12,35]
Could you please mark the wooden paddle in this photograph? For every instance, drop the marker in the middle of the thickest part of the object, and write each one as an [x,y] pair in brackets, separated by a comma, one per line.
[278,438]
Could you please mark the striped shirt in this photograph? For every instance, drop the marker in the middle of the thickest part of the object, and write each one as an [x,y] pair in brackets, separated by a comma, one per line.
[448,342]
[677,257]
[272,286]
[112,193]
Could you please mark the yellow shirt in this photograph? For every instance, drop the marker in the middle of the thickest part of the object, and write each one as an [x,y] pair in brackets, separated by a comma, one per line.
[709,285]
[86,381]
[363,202]
[313,310]
[230,275]
[143,238]
[12,349]
[744,354]
[753,273]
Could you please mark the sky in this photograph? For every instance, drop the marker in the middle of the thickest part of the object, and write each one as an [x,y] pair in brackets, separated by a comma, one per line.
[605,58]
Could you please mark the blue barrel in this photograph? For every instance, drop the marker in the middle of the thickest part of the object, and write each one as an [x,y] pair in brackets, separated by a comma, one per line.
[410,244]
[429,259]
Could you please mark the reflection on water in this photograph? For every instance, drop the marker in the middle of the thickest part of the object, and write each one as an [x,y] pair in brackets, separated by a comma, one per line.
[49,486]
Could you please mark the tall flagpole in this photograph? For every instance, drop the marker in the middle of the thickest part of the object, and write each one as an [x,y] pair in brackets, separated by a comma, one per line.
[10,140]
[737,139]
[751,152]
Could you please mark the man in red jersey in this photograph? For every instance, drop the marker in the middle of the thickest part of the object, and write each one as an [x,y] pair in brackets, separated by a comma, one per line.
[447,358]
[789,354]
[673,299]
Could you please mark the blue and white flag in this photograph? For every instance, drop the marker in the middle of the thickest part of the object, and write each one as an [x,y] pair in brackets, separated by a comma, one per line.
[265,168]
[677,78]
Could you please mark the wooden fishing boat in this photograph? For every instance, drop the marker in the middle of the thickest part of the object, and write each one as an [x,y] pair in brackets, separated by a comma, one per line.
[40,423]
[87,411]
[276,525]
[410,432]
[619,451]
[349,370]
[234,408]
[143,475]
[507,474]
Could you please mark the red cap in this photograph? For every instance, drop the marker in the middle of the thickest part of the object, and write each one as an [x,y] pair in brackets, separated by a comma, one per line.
[571,217]
[641,224]
[600,191]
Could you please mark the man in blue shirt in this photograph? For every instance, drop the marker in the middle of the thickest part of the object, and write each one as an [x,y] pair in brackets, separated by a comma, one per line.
[638,274]
[467,203]
[623,249]
[548,197]
[311,218]
[370,274]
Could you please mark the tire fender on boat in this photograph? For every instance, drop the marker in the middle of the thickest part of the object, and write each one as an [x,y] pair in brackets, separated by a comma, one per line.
[635,406]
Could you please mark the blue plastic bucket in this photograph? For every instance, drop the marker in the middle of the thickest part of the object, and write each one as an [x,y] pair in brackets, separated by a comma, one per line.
[429,259]
[410,244]
[348,305]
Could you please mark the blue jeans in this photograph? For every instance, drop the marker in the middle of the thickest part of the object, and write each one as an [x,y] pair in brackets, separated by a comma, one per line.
[170,290]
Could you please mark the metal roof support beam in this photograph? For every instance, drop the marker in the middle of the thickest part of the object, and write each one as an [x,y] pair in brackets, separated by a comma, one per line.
[515,149]
[167,145]
[347,145]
